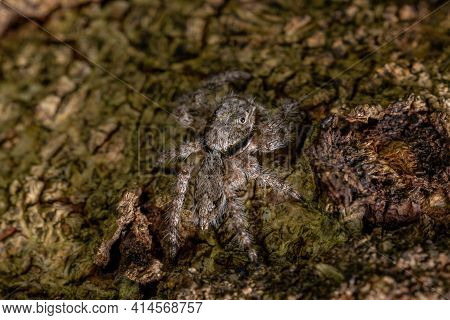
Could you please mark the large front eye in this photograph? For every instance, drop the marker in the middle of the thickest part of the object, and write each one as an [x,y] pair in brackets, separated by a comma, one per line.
[243,120]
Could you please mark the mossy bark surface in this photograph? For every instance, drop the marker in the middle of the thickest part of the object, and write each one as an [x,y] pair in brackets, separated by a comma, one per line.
[73,138]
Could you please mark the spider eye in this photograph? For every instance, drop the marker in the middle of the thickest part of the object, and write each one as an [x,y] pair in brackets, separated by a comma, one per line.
[242,120]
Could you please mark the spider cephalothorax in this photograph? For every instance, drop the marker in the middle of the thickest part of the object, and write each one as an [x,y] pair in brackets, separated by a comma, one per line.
[231,125]
[229,141]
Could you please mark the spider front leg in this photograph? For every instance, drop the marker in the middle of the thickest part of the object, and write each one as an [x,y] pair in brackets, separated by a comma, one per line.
[172,219]
[181,152]
[277,131]
[274,182]
[226,77]
[271,136]
[266,178]
[237,222]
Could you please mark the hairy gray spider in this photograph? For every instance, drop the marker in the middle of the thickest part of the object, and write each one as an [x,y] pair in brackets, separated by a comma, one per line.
[238,129]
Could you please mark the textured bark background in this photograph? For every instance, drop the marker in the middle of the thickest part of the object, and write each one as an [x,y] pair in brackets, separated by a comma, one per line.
[73,138]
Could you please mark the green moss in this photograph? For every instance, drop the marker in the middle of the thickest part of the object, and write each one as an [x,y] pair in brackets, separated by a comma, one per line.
[128,290]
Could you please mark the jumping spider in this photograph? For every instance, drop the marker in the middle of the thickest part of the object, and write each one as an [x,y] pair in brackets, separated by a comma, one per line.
[236,131]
